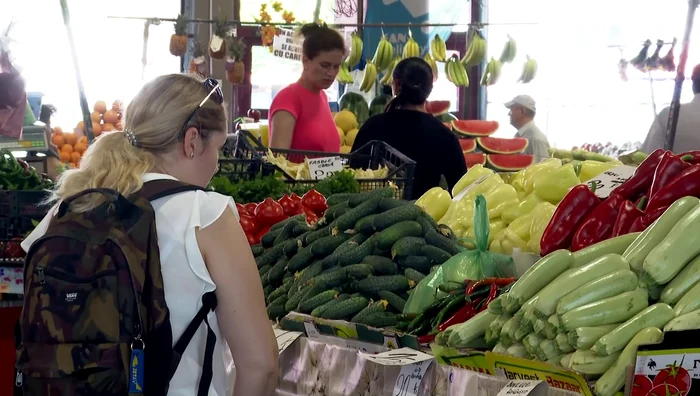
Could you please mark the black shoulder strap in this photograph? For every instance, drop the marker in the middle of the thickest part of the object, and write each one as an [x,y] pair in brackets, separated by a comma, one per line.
[160,188]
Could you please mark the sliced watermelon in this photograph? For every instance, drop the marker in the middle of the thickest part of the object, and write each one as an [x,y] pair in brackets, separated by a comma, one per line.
[509,162]
[502,146]
[474,128]
[474,158]
[468,145]
[448,125]
[437,107]
[447,117]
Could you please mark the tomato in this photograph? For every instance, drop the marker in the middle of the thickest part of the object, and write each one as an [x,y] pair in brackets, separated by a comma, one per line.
[311,216]
[315,201]
[252,239]
[250,208]
[14,249]
[296,199]
[290,207]
[664,390]
[242,210]
[676,376]
[262,233]
[642,385]
[248,224]
[269,213]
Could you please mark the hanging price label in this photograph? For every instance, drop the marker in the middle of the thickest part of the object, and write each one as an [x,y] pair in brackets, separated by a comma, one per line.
[397,357]
[609,180]
[523,388]
[285,338]
[321,168]
[409,379]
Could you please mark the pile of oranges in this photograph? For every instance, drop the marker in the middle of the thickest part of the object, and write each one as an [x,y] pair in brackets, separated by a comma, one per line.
[104,120]
[70,147]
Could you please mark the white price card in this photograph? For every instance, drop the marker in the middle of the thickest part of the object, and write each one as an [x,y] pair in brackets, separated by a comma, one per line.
[321,168]
[609,180]
[523,388]
[285,338]
[410,377]
[397,357]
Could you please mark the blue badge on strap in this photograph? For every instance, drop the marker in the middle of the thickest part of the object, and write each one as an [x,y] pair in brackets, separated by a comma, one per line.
[137,368]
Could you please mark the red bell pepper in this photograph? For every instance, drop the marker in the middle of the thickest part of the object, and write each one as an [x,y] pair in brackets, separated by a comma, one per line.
[426,339]
[597,226]
[669,167]
[640,182]
[695,154]
[629,213]
[686,184]
[571,211]
[465,313]
[642,223]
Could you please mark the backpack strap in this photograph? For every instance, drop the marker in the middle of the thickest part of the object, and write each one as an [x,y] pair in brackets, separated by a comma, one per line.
[161,188]
[120,202]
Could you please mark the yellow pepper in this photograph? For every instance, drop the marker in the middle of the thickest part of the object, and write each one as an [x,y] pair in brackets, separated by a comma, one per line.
[521,226]
[495,245]
[517,180]
[591,169]
[461,212]
[553,186]
[497,200]
[494,228]
[448,215]
[483,188]
[541,215]
[521,209]
[511,241]
[473,174]
[536,170]
[435,202]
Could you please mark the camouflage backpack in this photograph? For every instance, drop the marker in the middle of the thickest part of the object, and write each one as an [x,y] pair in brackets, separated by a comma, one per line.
[95,321]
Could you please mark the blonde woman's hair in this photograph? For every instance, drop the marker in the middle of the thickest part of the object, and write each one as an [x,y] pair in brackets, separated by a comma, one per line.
[156,117]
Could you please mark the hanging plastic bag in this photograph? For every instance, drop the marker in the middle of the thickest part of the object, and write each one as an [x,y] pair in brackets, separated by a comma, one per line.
[13,101]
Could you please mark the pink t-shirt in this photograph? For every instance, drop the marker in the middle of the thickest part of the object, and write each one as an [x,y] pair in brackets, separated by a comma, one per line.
[315,129]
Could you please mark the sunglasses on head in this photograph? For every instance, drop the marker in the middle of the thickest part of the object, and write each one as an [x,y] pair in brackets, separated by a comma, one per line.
[215,92]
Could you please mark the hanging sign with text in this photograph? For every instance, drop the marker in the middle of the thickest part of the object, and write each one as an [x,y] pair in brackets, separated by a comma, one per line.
[287,45]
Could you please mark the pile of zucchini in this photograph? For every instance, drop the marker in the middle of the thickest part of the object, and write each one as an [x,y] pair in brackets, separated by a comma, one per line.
[359,263]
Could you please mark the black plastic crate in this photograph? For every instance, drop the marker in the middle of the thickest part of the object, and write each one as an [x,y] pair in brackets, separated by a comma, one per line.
[372,155]
[239,160]
[23,204]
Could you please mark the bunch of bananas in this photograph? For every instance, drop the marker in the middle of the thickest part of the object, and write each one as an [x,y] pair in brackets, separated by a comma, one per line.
[433,65]
[455,72]
[510,49]
[411,48]
[369,76]
[355,51]
[384,54]
[529,71]
[492,72]
[476,53]
[386,80]
[438,49]
[344,76]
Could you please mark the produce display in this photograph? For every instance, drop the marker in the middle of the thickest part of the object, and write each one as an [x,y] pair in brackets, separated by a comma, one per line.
[300,171]
[17,175]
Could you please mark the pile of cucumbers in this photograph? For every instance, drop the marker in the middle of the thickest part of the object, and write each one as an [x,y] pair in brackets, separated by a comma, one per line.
[359,263]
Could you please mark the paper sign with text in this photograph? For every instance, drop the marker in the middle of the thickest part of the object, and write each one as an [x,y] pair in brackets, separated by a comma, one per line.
[524,388]
[285,338]
[609,180]
[287,45]
[409,379]
[321,168]
[470,360]
[397,357]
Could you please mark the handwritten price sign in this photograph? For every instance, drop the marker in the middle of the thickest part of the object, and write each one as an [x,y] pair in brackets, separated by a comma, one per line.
[285,339]
[321,168]
[609,180]
[414,366]
[524,388]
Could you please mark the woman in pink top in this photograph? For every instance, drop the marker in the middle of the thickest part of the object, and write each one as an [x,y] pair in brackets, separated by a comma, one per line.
[300,118]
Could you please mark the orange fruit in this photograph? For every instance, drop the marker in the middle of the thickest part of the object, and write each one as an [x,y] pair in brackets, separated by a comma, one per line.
[71,138]
[72,165]
[79,148]
[117,106]
[83,140]
[58,140]
[107,127]
[96,117]
[67,148]
[64,157]
[118,126]
[96,129]
[100,107]
[75,157]
[80,126]
[111,117]
[57,130]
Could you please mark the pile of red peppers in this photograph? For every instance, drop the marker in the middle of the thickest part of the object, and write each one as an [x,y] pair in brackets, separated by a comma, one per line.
[256,219]
[582,219]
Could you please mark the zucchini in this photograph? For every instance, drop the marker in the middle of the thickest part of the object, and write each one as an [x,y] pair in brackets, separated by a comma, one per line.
[678,247]
[532,343]
[379,306]
[689,302]
[348,219]
[395,301]
[433,238]
[657,315]
[616,245]
[418,263]
[555,361]
[380,319]
[614,378]
[606,286]
[587,362]
[586,337]
[407,246]
[413,275]
[301,260]
[356,254]
[517,350]
[538,328]
[574,278]
[268,240]
[378,193]
[682,283]
[364,225]
[552,327]
[607,311]
[257,250]
[498,324]
[496,305]
[562,341]
[359,271]
[393,216]
[391,203]
[541,274]
[337,199]
[389,236]
[500,349]
[393,283]
[548,349]
[317,300]
[471,330]
[327,245]
[566,360]
[345,309]
[688,321]
[654,234]
[278,270]
[381,265]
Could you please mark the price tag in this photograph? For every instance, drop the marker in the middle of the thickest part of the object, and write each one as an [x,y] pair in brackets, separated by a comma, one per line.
[311,330]
[464,192]
[285,338]
[397,357]
[609,180]
[409,379]
[522,388]
[321,168]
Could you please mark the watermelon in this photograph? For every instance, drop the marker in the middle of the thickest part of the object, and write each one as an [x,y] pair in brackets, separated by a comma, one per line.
[509,162]
[502,146]
[447,125]
[437,107]
[474,158]
[357,104]
[447,117]
[468,145]
[378,104]
[474,128]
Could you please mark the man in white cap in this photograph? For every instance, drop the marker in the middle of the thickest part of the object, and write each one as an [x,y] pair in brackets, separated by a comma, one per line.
[522,117]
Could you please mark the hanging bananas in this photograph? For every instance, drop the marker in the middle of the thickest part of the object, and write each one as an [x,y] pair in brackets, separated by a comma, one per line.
[438,49]
[369,77]
[456,73]
[344,76]
[476,53]
[355,51]
[433,65]
[384,54]
[411,48]
[529,71]
[388,76]
[510,49]
[492,72]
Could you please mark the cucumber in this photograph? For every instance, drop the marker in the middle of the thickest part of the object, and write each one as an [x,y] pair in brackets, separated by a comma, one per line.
[418,263]
[336,211]
[446,231]
[382,252]
[657,315]
[393,216]
[426,225]
[407,246]
[316,301]
[585,337]
[332,259]
[270,256]
[688,321]
[393,283]
[319,310]
[257,250]
[433,238]
[278,270]
[381,265]
[389,236]
[330,279]
[263,270]
[395,301]
[365,226]
[359,271]
[295,299]
[351,217]
[337,199]
[413,275]
[587,362]
[310,272]
[267,291]
[313,236]
[298,218]
[391,203]
[607,311]
[682,283]
[380,319]
[537,277]
[616,245]
[327,245]
[276,311]
[345,309]
[300,229]
[280,291]
[435,254]
[268,240]
[606,286]
[358,199]
[574,278]
[355,255]
[301,260]
[426,219]
[291,247]
[379,306]
[689,302]
[286,234]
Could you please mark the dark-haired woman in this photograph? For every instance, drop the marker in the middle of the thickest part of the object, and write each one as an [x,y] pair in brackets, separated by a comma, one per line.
[408,128]
[300,118]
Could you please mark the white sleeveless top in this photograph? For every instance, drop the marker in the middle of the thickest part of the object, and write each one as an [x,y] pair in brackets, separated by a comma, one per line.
[186,279]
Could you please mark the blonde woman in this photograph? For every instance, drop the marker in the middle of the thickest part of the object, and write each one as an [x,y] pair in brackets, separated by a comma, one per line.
[174,129]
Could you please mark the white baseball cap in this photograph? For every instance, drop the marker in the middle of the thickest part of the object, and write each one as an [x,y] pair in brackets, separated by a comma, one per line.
[523,100]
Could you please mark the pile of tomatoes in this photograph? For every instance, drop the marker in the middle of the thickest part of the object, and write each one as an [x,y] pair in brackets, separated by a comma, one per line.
[256,219]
